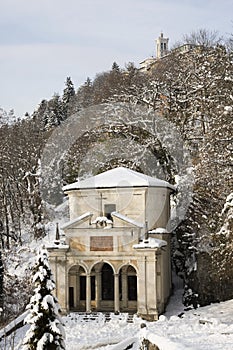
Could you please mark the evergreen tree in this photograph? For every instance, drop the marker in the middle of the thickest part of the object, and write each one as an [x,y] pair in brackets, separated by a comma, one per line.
[69,91]
[46,331]
[115,67]
[84,95]
[54,113]
[68,97]
[41,113]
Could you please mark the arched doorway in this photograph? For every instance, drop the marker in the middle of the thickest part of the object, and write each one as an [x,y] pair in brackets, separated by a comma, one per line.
[77,288]
[103,287]
[128,288]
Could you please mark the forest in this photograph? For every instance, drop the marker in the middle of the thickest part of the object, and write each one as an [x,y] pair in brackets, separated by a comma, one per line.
[192,92]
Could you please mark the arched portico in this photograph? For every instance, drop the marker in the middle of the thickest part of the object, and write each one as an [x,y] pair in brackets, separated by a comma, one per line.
[102,289]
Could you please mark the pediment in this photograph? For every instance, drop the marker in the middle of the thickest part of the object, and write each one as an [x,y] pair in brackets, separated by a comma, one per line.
[87,221]
[129,222]
[81,221]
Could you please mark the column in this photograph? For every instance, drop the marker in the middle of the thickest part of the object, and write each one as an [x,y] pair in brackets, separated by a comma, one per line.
[142,286]
[152,286]
[98,291]
[156,278]
[159,283]
[162,275]
[124,289]
[75,289]
[116,293]
[77,300]
[62,284]
[88,293]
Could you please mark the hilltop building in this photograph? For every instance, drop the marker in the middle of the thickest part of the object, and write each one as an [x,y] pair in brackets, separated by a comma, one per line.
[162,51]
[115,255]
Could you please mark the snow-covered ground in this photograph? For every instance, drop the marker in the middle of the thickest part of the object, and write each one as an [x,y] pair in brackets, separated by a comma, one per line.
[205,328]
[209,327]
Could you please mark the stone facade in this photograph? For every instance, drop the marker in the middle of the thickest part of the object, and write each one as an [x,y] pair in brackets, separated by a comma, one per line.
[161,46]
[115,253]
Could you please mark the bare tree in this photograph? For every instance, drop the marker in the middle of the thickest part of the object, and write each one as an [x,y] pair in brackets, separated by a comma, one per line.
[203,37]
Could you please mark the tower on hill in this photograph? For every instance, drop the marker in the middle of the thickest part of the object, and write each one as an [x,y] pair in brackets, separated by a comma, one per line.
[161,46]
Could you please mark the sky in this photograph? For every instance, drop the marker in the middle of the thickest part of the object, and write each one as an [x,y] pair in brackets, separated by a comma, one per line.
[43,42]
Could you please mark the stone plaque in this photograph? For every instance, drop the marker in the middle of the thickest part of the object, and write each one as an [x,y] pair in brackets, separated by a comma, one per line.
[101,243]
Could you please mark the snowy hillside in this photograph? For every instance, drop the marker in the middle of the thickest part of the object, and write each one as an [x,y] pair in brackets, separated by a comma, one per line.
[174,123]
[209,327]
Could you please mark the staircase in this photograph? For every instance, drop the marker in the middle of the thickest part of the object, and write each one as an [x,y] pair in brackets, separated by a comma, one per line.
[101,317]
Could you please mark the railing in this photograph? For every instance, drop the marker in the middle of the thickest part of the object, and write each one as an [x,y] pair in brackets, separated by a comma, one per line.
[13,325]
[126,344]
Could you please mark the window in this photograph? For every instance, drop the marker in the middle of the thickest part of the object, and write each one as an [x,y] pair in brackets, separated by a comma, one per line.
[108,209]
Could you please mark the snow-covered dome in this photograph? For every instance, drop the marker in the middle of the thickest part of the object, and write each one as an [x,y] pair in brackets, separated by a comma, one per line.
[118,178]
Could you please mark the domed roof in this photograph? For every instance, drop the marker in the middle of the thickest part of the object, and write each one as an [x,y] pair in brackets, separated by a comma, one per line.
[118,178]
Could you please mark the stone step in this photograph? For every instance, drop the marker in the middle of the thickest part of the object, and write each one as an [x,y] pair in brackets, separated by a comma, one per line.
[107,316]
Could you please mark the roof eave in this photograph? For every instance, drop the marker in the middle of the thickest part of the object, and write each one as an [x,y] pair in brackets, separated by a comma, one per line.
[171,187]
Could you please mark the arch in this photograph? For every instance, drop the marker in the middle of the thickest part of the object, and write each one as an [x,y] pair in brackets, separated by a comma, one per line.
[83,265]
[102,262]
[107,282]
[104,276]
[77,287]
[126,264]
[128,287]
[77,268]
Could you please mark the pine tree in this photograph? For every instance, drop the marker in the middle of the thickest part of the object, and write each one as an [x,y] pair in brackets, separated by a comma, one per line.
[46,331]
[54,113]
[115,67]
[69,91]
[85,95]
[68,96]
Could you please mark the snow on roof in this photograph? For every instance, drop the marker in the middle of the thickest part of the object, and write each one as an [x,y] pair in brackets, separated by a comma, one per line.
[118,177]
[58,245]
[125,218]
[159,230]
[76,220]
[150,243]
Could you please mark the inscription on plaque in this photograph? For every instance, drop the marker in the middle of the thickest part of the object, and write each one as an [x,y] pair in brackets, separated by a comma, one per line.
[101,243]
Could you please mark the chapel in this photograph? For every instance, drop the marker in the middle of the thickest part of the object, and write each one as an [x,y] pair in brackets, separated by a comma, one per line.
[114,254]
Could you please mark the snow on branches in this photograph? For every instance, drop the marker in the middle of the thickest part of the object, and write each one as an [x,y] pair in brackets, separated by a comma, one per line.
[46,329]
